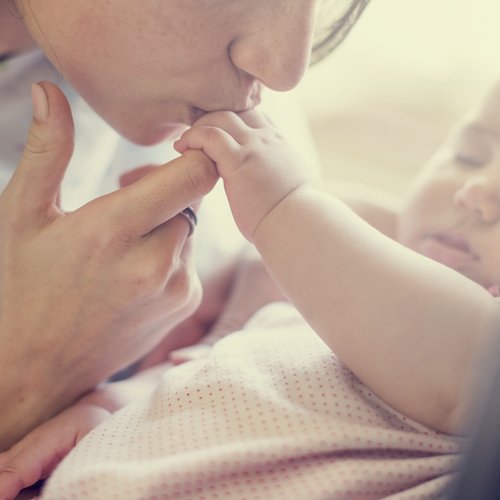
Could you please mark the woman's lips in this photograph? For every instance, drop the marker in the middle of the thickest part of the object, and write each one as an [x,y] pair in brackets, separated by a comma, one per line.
[450,249]
[244,104]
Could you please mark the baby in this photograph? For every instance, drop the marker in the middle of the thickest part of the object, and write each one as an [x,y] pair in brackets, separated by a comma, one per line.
[364,294]
[405,300]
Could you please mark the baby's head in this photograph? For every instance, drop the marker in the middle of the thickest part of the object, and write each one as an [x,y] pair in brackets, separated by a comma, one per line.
[452,213]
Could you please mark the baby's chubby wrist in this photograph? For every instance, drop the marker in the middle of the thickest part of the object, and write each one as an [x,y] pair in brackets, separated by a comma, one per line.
[253,196]
[281,217]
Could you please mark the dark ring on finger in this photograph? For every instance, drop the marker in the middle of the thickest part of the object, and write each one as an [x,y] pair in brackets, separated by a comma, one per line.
[190,215]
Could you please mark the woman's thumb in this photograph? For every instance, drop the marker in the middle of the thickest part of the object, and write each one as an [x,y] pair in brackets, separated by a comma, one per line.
[47,152]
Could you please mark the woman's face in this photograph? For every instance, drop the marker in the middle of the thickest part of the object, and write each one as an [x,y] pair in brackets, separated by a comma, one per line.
[151,67]
[453,211]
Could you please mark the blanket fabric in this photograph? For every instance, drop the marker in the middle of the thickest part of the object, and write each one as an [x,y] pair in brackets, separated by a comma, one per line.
[270,413]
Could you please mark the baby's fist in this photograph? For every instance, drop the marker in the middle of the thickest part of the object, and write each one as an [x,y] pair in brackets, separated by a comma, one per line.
[258,167]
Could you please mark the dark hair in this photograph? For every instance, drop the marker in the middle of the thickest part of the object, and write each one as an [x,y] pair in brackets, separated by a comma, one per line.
[335,20]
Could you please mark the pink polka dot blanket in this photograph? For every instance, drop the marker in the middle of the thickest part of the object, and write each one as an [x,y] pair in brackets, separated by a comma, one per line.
[270,413]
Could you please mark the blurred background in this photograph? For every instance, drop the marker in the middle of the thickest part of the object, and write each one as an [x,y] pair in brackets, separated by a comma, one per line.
[381,102]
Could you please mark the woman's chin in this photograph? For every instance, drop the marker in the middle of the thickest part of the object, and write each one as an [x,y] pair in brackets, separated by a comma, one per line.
[149,136]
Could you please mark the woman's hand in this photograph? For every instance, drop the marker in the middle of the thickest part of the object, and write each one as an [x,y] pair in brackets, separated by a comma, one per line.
[231,296]
[83,294]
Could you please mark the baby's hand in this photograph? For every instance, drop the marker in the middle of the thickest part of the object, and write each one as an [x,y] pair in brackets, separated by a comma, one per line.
[258,167]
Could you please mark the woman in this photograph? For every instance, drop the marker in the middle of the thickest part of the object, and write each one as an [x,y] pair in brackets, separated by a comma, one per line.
[85,293]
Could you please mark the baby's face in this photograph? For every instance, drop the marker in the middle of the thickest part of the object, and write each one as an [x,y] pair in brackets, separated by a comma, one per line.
[453,210]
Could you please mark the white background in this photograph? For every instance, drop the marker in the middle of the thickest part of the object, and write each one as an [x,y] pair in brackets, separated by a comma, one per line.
[382,102]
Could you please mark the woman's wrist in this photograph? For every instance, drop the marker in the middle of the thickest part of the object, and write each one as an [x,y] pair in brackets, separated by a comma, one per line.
[31,399]
[27,401]
[33,388]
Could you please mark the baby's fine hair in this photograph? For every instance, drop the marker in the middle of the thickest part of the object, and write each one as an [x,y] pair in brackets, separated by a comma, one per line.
[335,20]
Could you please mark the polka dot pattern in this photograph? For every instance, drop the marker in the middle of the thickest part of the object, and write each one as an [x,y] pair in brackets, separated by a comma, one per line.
[271,413]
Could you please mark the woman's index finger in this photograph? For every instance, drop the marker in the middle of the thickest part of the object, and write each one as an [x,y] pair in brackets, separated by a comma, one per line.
[160,195]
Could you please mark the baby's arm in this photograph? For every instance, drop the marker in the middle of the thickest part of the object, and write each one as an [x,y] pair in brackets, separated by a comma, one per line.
[413,330]
[379,208]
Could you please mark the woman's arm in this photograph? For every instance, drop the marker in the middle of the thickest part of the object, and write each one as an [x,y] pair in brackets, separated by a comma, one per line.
[83,294]
[413,330]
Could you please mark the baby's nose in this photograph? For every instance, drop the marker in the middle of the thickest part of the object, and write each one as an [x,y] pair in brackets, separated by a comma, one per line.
[480,197]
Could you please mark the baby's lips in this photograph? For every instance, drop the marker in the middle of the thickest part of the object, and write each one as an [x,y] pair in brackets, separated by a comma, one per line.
[494,290]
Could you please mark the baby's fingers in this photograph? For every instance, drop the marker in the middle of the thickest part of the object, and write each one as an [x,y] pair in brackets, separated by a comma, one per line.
[216,143]
[229,121]
[256,119]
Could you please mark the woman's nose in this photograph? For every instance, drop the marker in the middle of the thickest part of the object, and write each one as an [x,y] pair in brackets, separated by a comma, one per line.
[275,48]
[480,197]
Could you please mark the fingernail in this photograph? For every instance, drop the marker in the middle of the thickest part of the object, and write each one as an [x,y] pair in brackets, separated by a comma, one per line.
[40,102]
